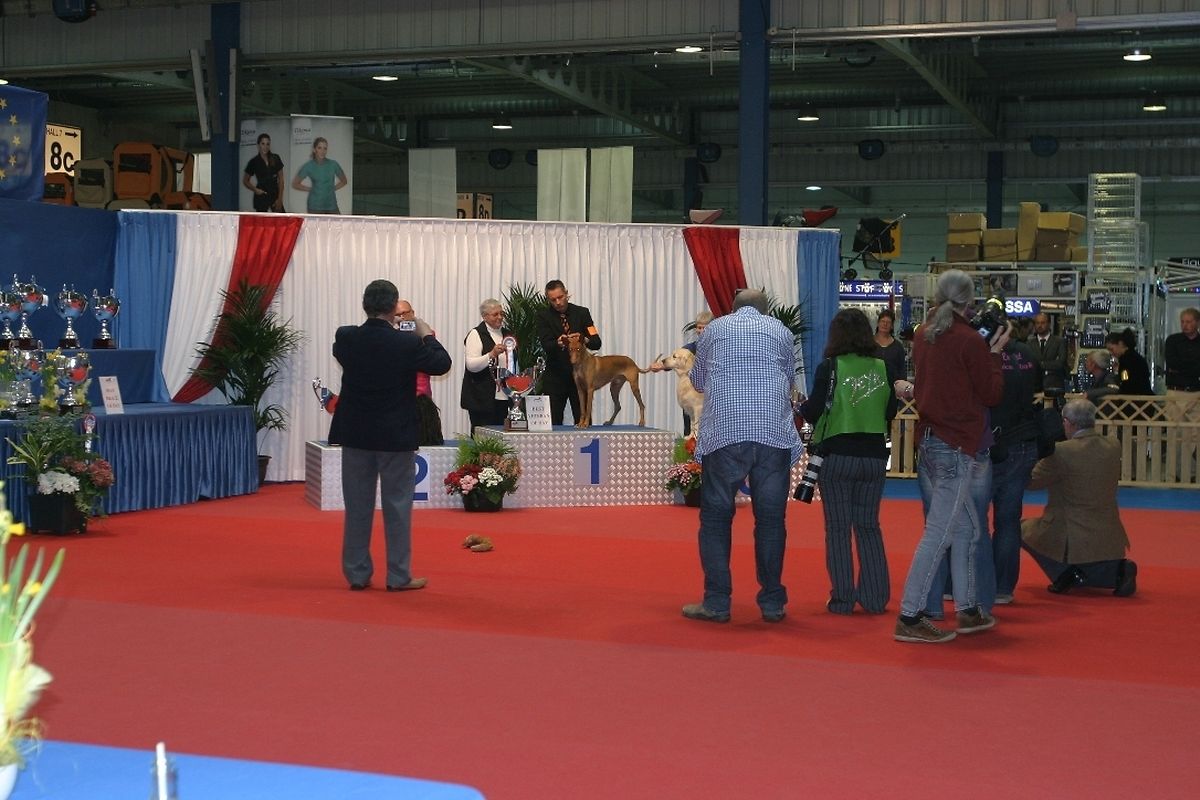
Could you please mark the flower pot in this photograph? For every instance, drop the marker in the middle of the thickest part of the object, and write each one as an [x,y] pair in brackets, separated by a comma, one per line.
[478,501]
[263,463]
[55,513]
[692,498]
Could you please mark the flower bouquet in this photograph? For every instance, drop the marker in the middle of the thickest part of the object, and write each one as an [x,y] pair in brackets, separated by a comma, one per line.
[485,469]
[21,681]
[58,460]
[686,474]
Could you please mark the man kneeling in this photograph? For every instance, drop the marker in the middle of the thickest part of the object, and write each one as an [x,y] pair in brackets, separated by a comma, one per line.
[1079,540]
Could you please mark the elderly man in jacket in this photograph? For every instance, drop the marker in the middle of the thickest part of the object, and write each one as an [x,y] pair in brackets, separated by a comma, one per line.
[1079,539]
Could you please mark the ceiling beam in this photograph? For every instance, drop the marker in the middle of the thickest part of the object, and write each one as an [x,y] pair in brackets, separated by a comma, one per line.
[604,90]
[947,74]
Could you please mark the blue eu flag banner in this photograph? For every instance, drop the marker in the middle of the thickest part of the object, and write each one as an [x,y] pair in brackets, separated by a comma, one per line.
[22,143]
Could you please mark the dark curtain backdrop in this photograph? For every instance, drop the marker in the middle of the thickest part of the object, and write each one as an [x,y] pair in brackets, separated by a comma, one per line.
[59,245]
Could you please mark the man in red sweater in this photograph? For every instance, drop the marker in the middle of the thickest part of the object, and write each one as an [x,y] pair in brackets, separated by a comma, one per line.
[957,379]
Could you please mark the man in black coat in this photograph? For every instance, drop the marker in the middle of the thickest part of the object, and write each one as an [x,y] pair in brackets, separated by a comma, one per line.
[556,323]
[1051,354]
[376,424]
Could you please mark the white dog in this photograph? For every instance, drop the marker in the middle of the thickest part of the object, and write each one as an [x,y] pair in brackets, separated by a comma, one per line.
[690,400]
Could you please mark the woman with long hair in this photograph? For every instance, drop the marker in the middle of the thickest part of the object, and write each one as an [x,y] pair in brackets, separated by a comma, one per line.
[1132,368]
[958,377]
[851,405]
[325,177]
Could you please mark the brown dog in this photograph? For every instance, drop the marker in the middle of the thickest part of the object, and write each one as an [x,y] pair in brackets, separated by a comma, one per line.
[595,372]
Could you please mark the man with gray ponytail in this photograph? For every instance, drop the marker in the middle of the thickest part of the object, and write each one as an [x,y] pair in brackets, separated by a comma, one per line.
[957,379]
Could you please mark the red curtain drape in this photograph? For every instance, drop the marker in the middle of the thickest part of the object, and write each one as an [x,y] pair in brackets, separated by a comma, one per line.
[718,260]
[264,248]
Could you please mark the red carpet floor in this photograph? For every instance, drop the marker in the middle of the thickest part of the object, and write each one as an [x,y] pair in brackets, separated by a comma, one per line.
[558,665]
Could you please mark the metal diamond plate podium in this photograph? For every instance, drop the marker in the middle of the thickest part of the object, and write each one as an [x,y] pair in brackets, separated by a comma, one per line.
[323,477]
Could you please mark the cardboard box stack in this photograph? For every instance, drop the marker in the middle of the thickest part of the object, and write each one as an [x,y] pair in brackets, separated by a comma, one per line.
[965,237]
[1059,237]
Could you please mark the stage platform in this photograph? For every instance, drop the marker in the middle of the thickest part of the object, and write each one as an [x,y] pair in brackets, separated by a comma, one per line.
[619,465]
[162,454]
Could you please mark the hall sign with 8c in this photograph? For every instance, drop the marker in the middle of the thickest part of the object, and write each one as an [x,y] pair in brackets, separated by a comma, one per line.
[64,145]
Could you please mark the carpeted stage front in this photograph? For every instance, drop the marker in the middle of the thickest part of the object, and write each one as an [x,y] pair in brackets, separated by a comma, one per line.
[558,666]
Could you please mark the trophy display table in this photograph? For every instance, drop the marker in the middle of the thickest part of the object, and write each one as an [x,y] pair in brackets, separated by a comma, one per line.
[137,376]
[605,465]
[162,454]
[323,476]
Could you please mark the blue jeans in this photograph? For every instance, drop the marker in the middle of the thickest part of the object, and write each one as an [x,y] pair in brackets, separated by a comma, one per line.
[956,488]
[724,472]
[1009,479]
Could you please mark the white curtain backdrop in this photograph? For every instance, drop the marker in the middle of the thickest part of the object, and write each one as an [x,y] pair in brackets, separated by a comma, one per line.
[433,182]
[611,190]
[638,281]
[562,184]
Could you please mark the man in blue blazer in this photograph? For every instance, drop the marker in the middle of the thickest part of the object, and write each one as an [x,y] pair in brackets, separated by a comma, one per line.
[376,423]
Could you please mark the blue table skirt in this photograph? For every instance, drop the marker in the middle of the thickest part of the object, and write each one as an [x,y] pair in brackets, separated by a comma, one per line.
[162,454]
[68,771]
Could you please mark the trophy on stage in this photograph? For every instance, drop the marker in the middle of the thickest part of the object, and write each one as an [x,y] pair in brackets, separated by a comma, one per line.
[32,298]
[10,312]
[27,365]
[516,384]
[70,305]
[106,309]
[325,395]
[70,373]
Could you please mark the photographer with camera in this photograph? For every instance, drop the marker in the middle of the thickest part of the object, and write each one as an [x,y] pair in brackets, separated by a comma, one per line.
[958,377]
[851,406]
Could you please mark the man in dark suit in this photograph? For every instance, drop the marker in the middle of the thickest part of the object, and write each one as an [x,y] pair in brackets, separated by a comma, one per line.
[556,323]
[1079,539]
[376,423]
[1051,354]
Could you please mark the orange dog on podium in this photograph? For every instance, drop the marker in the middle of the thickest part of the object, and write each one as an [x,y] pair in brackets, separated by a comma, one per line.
[595,372]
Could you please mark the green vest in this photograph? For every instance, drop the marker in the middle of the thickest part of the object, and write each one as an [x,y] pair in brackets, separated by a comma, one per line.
[859,400]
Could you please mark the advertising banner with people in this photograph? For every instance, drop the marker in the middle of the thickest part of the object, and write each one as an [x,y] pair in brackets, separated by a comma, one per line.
[321,169]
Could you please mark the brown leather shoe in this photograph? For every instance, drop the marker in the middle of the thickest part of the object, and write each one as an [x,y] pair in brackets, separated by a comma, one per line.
[413,585]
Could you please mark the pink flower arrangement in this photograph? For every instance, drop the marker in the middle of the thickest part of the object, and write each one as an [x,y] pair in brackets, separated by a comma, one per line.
[487,465]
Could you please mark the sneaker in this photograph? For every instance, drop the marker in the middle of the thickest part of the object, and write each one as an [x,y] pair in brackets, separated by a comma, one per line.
[921,631]
[1004,599]
[700,612]
[974,620]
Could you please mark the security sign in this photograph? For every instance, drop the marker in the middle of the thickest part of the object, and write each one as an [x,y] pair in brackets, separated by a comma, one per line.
[64,146]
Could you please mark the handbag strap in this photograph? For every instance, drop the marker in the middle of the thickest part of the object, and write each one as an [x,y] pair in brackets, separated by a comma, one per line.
[823,422]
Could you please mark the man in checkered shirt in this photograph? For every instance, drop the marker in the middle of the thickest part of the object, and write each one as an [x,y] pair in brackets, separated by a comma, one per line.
[745,365]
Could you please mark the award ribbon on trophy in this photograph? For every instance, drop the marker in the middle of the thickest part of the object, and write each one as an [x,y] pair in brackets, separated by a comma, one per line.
[516,385]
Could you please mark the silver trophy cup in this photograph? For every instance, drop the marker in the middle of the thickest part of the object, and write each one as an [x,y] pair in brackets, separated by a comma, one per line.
[26,365]
[10,313]
[70,305]
[32,299]
[516,384]
[70,371]
[105,308]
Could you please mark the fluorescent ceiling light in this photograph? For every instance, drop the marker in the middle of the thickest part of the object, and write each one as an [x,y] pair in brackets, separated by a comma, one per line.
[1137,54]
[808,113]
[1154,103]
[689,48]
[502,123]
[813,188]
[385,78]
[3,82]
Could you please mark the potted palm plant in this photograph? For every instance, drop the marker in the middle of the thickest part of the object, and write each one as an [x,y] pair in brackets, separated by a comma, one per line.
[250,347]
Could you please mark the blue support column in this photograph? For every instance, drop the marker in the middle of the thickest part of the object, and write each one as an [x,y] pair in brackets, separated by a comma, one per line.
[754,18]
[226,22]
[995,189]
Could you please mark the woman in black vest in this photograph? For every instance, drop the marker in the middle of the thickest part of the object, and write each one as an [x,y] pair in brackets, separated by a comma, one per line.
[484,403]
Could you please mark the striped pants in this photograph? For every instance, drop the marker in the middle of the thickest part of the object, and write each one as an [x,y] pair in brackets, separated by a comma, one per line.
[851,490]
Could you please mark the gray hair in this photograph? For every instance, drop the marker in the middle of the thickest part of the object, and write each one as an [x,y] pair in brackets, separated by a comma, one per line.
[490,303]
[704,317]
[755,298]
[1080,413]
[1101,358]
[955,290]
[1194,313]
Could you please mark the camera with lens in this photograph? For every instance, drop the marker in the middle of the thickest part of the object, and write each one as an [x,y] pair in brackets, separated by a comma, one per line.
[816,457]
[990,317]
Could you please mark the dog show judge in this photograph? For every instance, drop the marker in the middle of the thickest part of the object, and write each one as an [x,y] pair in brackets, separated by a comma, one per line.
[556,323]
[481,398]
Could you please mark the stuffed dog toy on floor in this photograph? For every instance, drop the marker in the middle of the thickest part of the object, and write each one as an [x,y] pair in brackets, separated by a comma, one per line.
[595,372]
